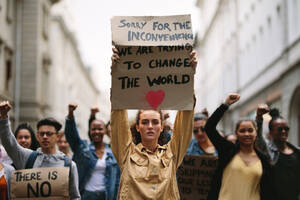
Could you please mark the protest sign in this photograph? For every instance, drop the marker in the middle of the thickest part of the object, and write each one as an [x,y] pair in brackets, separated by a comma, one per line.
[40,183]
[194,176]
[154,70]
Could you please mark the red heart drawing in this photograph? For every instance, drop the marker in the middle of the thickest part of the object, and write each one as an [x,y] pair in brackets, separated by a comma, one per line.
[155,98]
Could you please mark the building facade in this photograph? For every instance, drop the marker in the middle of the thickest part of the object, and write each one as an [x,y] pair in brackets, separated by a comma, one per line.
[250,47]
[41,70]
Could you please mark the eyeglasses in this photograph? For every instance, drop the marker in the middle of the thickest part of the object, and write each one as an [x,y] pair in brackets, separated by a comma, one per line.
[196,130]
[281,128]
[47,133]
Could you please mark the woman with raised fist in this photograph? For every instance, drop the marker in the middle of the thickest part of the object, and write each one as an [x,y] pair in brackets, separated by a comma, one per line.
[243,172]
[284,156]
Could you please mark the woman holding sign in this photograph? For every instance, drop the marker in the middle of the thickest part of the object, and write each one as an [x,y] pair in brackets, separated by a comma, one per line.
[149,169]
[243,171]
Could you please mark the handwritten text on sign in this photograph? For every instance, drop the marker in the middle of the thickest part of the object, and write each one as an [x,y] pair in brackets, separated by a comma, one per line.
[194,176]
[152,31]
[152,75]
[40,183]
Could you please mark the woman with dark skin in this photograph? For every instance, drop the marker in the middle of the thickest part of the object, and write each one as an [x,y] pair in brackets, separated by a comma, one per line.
[26,137]
[284,156]
[243,172]
[98,171]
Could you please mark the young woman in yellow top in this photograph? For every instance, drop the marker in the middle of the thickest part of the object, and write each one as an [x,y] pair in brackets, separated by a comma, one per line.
[243,173]
[149,169]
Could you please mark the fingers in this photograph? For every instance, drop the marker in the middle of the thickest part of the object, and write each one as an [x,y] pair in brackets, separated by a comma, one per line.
[94,110]
[4,109]
[232,98]
[115,57]
[193,59]
[72,106]
[262,109]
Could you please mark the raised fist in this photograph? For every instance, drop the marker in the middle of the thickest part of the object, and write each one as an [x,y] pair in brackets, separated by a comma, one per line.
[4,109]
[262,109]
[232,98]
[94,110]
[71,107]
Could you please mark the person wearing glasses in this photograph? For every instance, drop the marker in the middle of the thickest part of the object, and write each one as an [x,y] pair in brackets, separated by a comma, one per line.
[45,156]
[285,157]
[243,171]
[200,144]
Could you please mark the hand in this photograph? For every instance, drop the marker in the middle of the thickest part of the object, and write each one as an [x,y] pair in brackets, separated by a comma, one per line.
[115,57]
[165,114]
[193,59]
[72,107]
[4,109]
[232,98]
[94,110]
[262,109]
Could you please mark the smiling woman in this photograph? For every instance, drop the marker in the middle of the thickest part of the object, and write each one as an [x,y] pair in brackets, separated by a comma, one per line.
[26,137]
[98,171]
[243,172]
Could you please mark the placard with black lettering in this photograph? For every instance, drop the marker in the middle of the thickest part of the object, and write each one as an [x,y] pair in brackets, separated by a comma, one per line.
[40,183]
[194,176]
[154,70]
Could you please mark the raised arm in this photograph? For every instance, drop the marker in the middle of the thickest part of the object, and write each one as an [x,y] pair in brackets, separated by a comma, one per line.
[182,134]
[71,131]
[16,152]
[221,144]
[121,137]
[260,142]
[183,125]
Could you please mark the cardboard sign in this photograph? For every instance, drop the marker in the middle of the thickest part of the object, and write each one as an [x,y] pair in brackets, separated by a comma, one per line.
[194,176]
[40,183]
[154,70]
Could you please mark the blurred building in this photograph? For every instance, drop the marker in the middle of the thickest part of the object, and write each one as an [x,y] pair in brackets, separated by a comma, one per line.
[251,47]
[41,70]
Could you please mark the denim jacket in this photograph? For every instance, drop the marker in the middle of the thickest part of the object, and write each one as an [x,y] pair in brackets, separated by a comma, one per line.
[86,158]
[195,149]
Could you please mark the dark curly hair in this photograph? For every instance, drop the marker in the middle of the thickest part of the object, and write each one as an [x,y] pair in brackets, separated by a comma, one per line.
[136,136]
[34,143]
[275,114]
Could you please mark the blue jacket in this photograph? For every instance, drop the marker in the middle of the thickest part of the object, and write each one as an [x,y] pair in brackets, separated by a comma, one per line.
[195,149]
[86,158]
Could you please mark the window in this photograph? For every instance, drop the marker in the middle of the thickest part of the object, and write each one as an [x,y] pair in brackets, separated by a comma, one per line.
[269,20]
[8,70]
[9,11]
[278,9]
[45,21]
[45,80]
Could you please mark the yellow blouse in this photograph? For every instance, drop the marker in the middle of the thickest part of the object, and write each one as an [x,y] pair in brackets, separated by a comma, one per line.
[145,174]
[241,181]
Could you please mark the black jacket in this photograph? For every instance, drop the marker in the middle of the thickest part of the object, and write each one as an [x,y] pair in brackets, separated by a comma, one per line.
[227,151]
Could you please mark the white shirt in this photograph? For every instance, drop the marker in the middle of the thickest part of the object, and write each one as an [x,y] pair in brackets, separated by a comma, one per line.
[97,179]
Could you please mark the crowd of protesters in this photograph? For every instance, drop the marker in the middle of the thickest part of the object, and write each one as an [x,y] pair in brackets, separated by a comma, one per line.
[140,161]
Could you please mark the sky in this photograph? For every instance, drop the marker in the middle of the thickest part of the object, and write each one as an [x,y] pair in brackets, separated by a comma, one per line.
[92,28]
